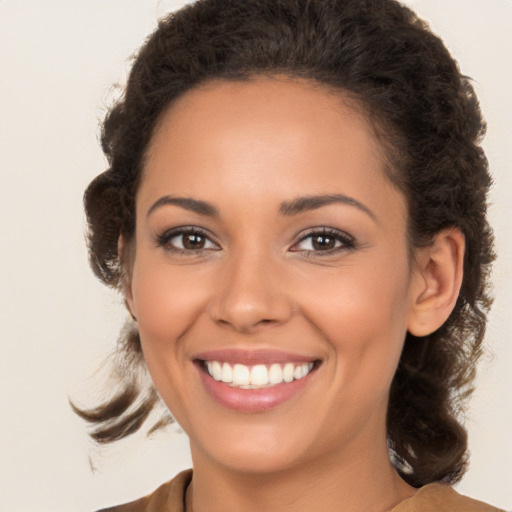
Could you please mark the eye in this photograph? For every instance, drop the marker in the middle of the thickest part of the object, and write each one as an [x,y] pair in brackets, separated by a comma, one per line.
[188,239]
[326,240]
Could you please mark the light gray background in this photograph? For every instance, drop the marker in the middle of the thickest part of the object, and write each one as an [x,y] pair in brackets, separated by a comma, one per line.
[58,61]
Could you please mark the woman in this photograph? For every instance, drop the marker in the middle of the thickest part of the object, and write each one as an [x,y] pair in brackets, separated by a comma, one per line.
[295,212]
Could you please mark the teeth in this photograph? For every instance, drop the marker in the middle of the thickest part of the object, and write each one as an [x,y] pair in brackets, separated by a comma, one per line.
[241,375]
[227,373]
[257,376]
[275,374]
[215,370]
[288,372]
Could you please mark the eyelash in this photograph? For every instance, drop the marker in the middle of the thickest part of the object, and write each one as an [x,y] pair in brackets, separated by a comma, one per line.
[164,240]
[343,241]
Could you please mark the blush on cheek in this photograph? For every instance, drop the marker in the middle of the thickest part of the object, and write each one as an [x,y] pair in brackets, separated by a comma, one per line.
[164,305]
[365,327]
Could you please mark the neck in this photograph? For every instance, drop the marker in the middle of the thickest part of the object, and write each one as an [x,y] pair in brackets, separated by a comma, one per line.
[352,482]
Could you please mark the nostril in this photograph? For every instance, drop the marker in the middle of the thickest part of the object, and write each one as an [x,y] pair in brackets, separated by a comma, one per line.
[245,308]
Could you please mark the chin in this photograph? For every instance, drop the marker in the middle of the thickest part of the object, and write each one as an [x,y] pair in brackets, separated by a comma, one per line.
[253,460]
[263,450]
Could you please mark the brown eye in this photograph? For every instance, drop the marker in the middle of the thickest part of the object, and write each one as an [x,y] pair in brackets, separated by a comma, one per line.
[186,240]
[323,242]
[193,241]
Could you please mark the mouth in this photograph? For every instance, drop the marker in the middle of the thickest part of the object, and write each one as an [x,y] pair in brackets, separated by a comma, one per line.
[258,376]
[254,381]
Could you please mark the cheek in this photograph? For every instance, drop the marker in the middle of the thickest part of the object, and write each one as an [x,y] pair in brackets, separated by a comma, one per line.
[363,316]
[358,300]
[166,299]
[167,305]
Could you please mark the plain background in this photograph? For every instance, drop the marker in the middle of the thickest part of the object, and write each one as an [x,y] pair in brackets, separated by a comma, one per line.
[58,61]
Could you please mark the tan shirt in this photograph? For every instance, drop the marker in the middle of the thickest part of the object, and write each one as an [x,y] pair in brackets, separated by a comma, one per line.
[170,496]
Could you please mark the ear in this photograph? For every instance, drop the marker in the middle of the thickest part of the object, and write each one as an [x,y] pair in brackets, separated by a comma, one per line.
[437,281]
[124,251]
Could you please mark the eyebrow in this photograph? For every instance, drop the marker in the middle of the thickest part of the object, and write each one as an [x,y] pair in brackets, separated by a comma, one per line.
[193,205]
[287,208]
[307,203]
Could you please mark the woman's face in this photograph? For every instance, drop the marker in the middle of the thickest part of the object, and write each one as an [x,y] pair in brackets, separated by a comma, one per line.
[270,249]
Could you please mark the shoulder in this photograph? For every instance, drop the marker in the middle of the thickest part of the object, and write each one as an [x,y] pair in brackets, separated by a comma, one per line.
[442,498]
[167,498]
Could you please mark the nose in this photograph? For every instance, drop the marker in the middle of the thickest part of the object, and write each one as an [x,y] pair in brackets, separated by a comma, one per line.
[251,293]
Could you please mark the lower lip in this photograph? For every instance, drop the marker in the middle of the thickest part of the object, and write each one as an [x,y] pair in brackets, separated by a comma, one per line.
[252,400]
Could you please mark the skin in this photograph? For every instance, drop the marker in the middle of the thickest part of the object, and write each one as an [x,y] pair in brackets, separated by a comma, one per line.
[258,283]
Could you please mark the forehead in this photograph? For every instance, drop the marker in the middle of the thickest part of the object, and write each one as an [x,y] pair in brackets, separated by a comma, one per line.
[268,136]
[280,105]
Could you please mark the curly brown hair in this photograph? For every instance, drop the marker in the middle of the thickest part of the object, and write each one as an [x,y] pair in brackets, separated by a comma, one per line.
[427,118]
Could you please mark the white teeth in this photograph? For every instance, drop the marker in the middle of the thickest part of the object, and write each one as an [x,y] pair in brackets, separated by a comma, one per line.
[257,376]
[215,370]
[275,374]
[227,373]
[288,372]
[241,375]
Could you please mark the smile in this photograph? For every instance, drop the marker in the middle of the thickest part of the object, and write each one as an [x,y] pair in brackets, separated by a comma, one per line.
[256,376]
[255,381]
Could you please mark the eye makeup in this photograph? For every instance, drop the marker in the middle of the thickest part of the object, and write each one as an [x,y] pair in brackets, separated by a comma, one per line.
[193,240]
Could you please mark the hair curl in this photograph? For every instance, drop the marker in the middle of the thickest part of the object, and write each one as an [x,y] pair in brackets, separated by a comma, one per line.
[428,120]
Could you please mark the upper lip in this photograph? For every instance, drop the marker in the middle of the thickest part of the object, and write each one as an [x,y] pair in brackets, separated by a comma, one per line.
[253,357]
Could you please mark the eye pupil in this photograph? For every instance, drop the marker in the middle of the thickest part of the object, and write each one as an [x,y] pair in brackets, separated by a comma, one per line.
[323,242]
[193,241]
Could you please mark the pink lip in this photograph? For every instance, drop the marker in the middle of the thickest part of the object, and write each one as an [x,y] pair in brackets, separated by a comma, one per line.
[251,400]
[253,357]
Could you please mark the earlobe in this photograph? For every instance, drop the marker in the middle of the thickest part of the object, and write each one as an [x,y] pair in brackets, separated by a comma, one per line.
[125,259]
[438,278]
